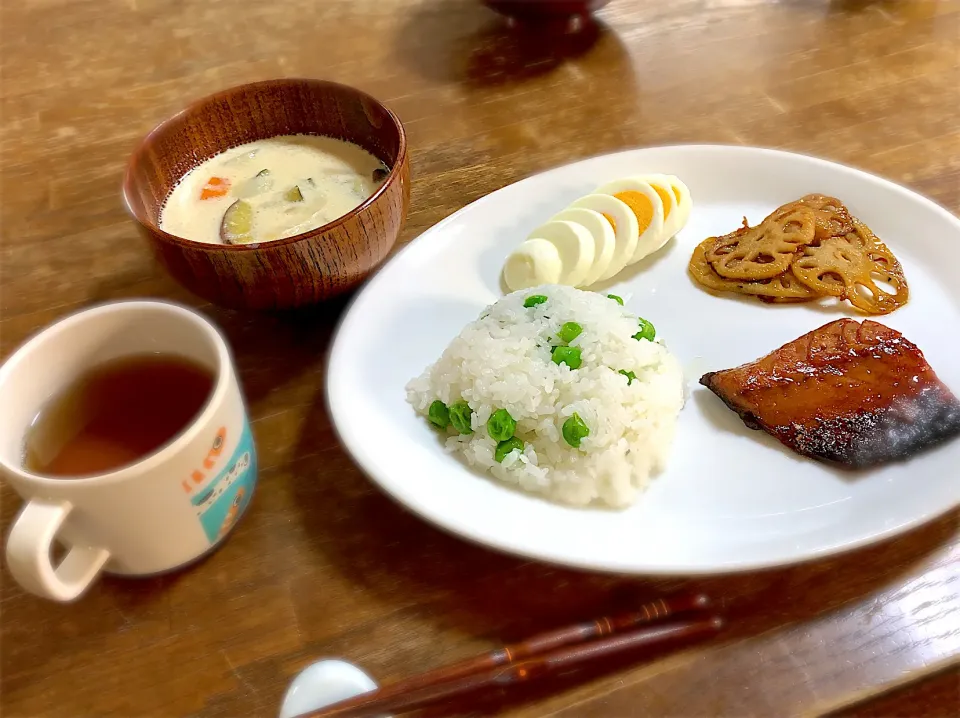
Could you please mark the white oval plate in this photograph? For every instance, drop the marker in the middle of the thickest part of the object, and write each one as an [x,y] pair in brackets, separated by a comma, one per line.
[730,498]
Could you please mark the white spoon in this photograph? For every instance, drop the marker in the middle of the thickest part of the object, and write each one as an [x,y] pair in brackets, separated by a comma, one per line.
[322,684]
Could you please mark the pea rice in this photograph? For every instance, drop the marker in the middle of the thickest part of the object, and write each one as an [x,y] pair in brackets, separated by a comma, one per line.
[621,385]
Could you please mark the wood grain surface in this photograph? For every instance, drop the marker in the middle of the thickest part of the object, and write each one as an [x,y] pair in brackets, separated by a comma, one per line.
[324,564]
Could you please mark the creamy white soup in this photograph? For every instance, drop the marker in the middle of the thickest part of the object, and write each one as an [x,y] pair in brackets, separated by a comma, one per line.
[271,189]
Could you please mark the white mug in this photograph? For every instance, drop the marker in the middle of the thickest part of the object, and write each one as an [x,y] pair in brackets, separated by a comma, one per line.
[166,510]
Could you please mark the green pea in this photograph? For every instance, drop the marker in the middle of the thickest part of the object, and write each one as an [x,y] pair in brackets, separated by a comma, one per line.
[501,425]
[505,447]
[615,298]
[439,414]
[569,331]
[533,300]
[460,414]
[646,331]
[630,376]
[567,355]
[574,430]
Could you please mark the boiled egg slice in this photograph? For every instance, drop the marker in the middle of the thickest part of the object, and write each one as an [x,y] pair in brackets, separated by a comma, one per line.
[646,205]
[574,244]
[684,201]
[674,213]
[626,229]
[604,239]
[533,263]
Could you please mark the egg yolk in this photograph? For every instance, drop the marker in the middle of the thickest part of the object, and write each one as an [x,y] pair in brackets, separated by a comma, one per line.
[665,198]
[640,205]
[611,221]
[677,193]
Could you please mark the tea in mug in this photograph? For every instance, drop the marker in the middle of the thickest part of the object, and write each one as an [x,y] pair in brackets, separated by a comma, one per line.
[116,414]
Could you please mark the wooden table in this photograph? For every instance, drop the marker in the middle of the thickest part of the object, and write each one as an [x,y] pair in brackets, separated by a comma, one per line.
[324,564]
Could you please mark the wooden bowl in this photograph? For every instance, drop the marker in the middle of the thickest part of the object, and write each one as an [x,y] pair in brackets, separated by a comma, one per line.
[298,270]
[536,10]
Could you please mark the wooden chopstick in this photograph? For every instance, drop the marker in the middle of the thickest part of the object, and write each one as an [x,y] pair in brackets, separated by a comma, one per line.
[513,673]
[537,656]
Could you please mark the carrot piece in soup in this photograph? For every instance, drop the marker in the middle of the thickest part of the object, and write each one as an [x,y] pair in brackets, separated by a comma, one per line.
[215,187]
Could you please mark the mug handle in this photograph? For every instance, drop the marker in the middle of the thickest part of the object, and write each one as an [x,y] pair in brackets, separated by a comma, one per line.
[28,553]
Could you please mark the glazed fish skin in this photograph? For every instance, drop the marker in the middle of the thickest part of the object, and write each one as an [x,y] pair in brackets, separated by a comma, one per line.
[851,394]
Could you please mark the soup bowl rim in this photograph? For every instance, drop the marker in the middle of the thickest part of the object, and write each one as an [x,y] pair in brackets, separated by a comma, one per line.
[139,152]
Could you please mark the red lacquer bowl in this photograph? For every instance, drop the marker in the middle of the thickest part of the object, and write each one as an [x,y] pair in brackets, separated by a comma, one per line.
[532,10]
[292,272]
